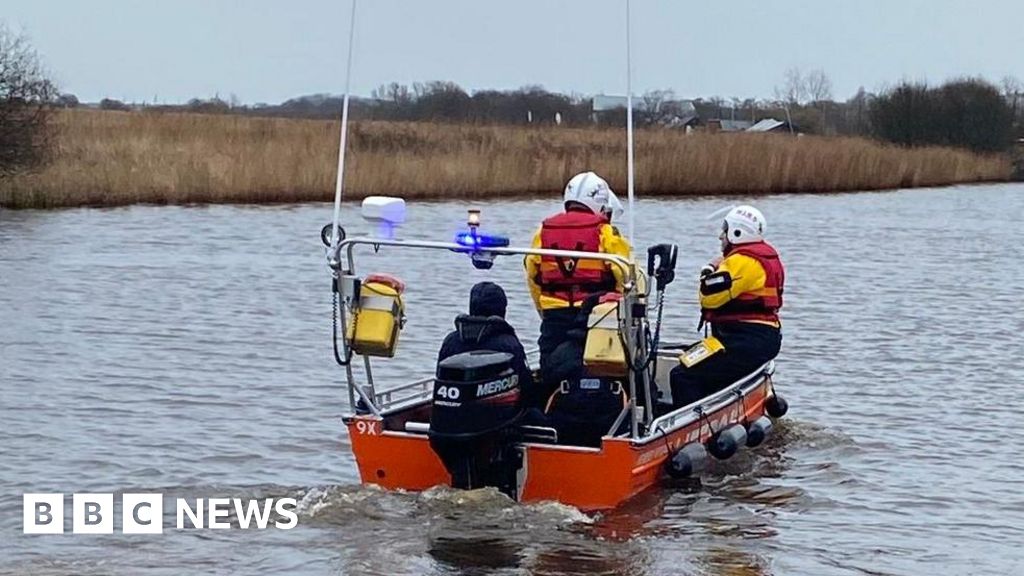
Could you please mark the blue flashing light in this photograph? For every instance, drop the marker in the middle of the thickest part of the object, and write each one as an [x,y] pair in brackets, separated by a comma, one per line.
[474,240]
[467,239]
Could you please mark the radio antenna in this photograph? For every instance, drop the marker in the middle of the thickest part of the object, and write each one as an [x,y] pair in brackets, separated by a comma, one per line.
[340,182]
[629,129]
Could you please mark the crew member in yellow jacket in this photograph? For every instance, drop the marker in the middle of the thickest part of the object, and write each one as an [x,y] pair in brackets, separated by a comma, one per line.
[560,287]
[740,297]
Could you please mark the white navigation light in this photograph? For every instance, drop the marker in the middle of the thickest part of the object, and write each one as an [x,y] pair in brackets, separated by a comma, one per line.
[385,213]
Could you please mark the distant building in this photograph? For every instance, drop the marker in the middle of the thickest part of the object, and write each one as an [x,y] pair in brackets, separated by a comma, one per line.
[670,113]
[688,121]
[719,125]
[680,114]
[603,103]
[773,125]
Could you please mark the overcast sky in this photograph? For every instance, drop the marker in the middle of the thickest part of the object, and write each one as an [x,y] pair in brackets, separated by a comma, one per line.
[271,50]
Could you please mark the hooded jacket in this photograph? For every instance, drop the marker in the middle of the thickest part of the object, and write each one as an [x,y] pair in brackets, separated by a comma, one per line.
[485,328]
[489,333]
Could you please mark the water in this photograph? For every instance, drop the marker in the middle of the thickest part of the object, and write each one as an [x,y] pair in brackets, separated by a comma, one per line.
[185,350]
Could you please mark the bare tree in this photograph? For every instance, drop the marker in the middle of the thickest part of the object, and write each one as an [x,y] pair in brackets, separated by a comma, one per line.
[819,89]
[719,103]
[749,106]
[818,86]
[654,107]
[393,92]
[26,95]
[857,113]
[1012,90]
[735,104]
[1011,85]
[794,88]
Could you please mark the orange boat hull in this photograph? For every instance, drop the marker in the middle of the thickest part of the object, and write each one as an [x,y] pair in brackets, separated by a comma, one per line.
[588,478]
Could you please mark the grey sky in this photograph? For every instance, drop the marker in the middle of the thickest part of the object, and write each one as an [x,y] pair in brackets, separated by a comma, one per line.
[270,50]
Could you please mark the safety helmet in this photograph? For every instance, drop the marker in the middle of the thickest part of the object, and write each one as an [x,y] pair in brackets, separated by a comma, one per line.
[592,191]
[614,208]
[743,225]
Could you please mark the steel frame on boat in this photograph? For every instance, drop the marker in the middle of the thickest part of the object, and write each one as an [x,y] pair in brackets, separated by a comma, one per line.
[389,433]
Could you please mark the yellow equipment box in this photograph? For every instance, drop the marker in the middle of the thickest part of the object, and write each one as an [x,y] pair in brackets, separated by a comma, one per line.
[379,316]
[605,354]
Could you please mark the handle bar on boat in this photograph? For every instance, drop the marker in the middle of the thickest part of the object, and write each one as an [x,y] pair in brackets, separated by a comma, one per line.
[350,243]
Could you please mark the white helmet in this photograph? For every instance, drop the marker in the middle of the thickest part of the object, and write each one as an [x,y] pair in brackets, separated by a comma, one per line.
[743,225]
[615,207]
[592,191]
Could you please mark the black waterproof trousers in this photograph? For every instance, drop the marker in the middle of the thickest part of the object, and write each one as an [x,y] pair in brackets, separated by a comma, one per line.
[584,408]
[563,334]
[747,347]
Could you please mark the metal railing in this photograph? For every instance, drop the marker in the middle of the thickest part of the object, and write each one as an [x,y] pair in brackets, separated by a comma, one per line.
[420,389]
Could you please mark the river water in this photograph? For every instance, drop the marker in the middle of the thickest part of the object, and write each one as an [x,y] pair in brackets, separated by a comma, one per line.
[186,351]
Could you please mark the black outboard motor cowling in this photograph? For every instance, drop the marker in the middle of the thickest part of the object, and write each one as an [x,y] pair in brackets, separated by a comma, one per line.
[475,409]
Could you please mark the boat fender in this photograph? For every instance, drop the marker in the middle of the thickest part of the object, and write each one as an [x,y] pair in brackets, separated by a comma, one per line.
[776,406]
[690,460]
[758,430]
[725,442]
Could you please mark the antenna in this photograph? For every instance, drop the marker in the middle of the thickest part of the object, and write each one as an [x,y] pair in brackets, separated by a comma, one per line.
[629,127]
[338,185]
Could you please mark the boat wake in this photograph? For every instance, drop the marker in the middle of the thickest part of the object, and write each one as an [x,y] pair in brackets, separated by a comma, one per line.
[347,504]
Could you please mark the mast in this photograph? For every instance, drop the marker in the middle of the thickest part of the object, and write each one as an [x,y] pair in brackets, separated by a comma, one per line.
[629,127]
[339,183]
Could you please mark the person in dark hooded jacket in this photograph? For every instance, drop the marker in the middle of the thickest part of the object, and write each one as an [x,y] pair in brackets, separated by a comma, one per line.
[485,328]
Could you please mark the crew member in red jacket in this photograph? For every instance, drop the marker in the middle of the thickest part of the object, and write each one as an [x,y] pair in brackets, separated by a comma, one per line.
[560,287]
[740,298]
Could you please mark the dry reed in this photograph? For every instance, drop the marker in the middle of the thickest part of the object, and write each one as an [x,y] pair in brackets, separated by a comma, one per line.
[114,158]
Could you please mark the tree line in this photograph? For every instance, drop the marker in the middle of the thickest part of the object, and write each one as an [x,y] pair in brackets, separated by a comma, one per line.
[969,113]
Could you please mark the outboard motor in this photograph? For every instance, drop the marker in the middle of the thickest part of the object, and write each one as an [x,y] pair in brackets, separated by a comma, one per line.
[475,409]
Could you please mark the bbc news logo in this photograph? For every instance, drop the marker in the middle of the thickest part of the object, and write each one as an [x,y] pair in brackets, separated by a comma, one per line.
[144,513]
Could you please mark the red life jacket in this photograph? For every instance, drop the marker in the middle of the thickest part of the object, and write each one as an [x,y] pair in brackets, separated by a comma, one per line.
[758,305]
[573,279]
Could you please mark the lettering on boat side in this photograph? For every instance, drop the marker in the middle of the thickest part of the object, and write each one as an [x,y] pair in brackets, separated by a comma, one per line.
[366,427]
[657,452]
[144,513]
[733,415]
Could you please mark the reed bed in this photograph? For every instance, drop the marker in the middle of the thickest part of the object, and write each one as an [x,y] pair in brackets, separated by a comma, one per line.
[116,158]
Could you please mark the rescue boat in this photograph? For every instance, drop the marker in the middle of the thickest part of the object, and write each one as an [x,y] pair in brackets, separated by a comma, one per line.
[458,427]
[395,431]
